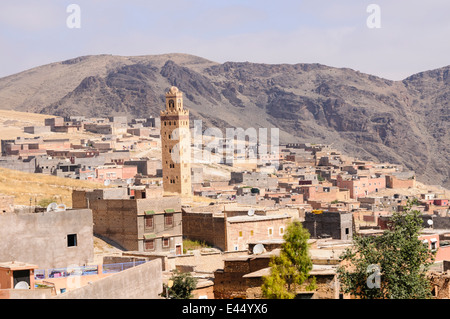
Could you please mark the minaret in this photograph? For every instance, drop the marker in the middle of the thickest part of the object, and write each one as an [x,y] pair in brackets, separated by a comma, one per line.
[176,145]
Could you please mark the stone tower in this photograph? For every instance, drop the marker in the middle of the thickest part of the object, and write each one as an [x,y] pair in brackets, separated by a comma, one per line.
[176,145]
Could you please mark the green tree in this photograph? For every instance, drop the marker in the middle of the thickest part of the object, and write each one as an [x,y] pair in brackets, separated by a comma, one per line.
[182,286]
[290,269]
[402,261]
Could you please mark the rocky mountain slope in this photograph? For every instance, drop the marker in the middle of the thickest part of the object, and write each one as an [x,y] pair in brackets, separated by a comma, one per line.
[404,122]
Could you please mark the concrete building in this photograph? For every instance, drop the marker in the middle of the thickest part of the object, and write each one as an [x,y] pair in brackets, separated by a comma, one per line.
[254,179]
[146,167]
[337,225]
[27,165]
[36,129]
[176,145]
[47,239]
[135,222]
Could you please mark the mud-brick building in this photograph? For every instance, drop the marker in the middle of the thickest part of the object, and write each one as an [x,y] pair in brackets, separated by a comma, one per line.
[229,282]
[233,231]
[134,220]
[242,277]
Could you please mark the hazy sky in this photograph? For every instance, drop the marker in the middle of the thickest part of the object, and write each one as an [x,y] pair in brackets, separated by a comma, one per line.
[414,35]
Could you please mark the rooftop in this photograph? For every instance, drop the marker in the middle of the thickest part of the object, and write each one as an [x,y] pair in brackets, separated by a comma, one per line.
[254,218]
[17,265]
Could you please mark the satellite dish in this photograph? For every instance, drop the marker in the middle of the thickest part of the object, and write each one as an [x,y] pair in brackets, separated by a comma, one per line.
[251,212]
[107,182]
[54,207]
[430,222]
[129,181]
[258,249]
[22,285]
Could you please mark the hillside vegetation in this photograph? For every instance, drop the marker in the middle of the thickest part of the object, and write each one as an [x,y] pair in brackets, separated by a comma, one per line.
[35,188]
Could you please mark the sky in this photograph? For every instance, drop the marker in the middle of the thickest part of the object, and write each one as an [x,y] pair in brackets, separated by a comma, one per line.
[394,41]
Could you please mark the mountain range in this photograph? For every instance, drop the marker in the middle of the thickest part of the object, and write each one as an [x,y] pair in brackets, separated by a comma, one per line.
[404,122]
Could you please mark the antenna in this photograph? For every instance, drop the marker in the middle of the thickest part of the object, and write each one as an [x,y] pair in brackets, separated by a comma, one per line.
[258,249]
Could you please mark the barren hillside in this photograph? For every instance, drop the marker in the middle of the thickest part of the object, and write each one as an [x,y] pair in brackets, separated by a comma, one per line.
[404,122]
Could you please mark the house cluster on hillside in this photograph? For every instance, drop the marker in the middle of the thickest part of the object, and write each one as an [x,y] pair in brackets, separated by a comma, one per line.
[154,207]
[110,153]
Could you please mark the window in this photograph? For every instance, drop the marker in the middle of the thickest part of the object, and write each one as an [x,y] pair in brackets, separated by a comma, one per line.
[168,219]
[251,233]
[149,244]
[433,245]
[166,242]
[71,240]
[281,230]
[346,231]
[270,231]
[148,221]
[240,233]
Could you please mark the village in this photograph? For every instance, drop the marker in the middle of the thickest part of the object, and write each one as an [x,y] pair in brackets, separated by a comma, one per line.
[220,221]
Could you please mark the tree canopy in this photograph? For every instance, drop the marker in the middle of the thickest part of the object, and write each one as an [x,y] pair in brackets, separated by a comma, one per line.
[182,286]
[390,266]
[291,268]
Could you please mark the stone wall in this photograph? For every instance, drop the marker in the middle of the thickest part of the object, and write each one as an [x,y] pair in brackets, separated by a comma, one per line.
[440,284]
[229,283]
[205,227]
[116,219]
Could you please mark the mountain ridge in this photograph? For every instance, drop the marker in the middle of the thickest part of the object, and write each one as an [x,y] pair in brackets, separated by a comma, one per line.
[404,122]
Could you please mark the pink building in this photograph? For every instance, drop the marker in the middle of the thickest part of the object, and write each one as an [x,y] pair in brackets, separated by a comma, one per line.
[112,172]
[441,202]
[360,186]
[442,252]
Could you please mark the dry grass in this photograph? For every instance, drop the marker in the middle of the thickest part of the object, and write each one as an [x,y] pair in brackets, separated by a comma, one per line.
[13,122]
[26,187]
